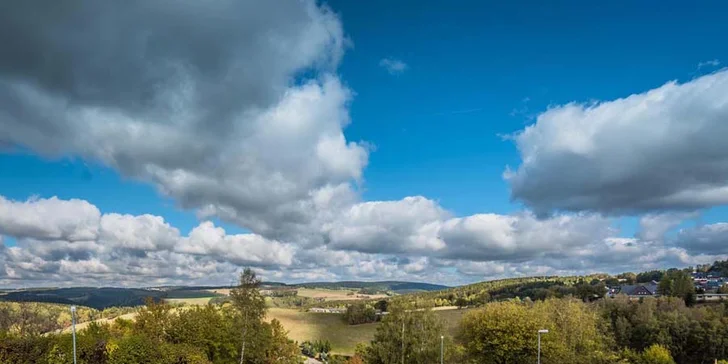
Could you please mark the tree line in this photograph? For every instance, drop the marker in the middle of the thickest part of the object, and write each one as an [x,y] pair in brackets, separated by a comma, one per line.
[160,334]
[651,331]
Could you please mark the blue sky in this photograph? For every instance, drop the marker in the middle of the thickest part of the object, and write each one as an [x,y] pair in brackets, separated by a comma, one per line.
[469,79]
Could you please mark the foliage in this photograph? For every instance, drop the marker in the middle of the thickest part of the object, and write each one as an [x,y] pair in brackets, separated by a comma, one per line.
[250,304]
[657,354]
[693,335]
[411,335]
[360,313]
[34,318]
[160,335]
[381,305]
[313,349]
[676,283]
[506,332]
[647,277]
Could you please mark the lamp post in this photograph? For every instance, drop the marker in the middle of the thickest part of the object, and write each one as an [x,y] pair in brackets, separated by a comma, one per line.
[542,331]
[442,349]
[73,324]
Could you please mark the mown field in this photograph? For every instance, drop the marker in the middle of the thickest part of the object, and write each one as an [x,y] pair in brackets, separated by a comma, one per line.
[336,294]
[343,337]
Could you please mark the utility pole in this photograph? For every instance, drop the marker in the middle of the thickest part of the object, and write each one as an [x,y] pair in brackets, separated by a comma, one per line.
[403,341]
[442,349]
[73,325]
[543,331]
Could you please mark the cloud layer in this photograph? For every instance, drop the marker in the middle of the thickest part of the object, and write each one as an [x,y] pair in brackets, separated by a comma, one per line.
[412,239]
[206,102]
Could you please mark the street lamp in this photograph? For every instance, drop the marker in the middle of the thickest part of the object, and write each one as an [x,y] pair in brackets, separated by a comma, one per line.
[542,331]
[73,324]
[442,349]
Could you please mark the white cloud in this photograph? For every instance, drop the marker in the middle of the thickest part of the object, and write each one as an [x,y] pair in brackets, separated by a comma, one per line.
[705,239]
[408,225]
[710,63]
[422,243]
[663,149]
[393,66]
[655,226]
[215,116]
[492,237]
[49,219]
[137,233]
[241,249]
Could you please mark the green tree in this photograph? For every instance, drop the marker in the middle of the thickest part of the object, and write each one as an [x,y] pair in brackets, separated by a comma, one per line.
[359,313]
[677,283]
[500,333]
[283,350]
[406,334]
[153,320]
[136,349]
[381,305]
[657,354]
[250,303]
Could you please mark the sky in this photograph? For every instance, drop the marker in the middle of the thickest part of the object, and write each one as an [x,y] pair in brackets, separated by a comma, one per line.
[163,142]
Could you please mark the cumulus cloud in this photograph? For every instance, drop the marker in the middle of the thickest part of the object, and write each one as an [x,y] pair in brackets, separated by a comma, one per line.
[663,149]
[492,237]
[705,239]
[49,219]
[122,248]
[408,225]
[241,249]
[393,66]
[206,102]
[655,226]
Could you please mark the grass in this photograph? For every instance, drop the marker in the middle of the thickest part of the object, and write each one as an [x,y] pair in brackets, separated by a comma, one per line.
[84,325]
[311,326]
[335,294]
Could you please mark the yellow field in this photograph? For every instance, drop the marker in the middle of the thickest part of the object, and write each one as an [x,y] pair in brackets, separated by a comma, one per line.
[223,291]
[311,326]
[336,294]
[83,325]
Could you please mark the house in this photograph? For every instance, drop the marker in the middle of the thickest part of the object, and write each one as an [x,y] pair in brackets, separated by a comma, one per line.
[326,310]
[636,290]
[713,284]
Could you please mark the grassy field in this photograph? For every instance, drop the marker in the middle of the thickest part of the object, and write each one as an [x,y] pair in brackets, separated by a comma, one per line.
[336,294]
[83,325]
[189,301]
[343,337]
[304,326]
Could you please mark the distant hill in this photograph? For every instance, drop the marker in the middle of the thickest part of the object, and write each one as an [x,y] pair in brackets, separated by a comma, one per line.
[100,298]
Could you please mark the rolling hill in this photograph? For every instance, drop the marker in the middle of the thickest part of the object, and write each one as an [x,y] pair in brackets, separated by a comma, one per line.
[103,297]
